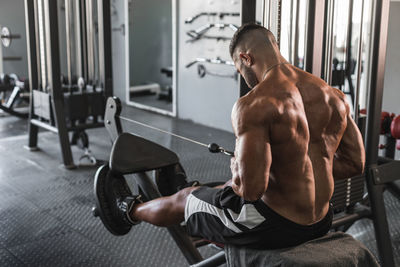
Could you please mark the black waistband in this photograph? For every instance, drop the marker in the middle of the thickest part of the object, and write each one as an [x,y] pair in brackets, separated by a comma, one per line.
[269,213]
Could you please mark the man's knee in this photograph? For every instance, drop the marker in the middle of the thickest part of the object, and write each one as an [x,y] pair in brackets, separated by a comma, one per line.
[182,195]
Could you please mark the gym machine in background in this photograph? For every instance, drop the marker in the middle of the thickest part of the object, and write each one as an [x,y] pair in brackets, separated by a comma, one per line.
[362,72]
[74,101]
[202,71]
[355,36]
[6,38]
[346,45]
[14,95]
[14,91]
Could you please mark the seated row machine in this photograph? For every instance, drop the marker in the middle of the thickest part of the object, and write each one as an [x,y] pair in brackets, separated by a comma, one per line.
[134,155]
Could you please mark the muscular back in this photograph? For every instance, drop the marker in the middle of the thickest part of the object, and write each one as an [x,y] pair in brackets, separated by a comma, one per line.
[302,121]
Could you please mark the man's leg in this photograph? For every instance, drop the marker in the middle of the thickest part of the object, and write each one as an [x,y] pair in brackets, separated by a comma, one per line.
[119,209]
[163,211]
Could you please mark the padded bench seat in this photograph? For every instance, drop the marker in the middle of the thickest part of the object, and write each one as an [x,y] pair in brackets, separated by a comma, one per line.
[334,249]
[132,154]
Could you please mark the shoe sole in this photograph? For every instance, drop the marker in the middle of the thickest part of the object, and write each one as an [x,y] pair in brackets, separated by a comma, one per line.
[103,208]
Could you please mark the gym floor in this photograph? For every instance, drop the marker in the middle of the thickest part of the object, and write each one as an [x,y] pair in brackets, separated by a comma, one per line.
[45,210]
[152,101]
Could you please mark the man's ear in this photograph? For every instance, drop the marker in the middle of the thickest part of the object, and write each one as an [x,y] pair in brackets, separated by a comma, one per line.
[246,59]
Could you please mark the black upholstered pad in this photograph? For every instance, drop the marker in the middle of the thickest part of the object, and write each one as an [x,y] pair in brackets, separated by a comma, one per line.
[334,249]
[133,154]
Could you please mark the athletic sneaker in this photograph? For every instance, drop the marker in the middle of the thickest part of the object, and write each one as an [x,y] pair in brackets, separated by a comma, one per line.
[114,201]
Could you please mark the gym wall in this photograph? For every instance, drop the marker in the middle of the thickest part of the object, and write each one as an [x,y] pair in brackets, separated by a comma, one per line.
[12,15]
[206,100]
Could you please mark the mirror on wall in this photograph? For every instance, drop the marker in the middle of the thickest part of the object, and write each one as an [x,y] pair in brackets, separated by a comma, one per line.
[151,55]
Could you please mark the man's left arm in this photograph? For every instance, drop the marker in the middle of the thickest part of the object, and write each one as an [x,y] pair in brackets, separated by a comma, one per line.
[251,164]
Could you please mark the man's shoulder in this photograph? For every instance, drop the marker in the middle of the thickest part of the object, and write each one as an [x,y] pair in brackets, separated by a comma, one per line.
[254,109]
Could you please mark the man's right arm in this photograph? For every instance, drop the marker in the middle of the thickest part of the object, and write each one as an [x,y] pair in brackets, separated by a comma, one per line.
[349,159]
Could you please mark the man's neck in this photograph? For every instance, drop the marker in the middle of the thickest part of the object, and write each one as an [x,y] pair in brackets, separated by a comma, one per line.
[269,66]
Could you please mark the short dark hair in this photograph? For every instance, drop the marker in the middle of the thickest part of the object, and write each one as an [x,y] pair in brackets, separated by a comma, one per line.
[237,37]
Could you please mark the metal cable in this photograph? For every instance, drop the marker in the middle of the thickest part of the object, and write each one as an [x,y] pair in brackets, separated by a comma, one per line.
[163,131]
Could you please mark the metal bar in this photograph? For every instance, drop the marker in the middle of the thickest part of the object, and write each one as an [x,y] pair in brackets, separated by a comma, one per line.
[262,14]
[105,49]
[89,41]
[215,260]
[349,218]
[13,112]
[37,41]
[296,36]
[68,13]
[42,45]
[270,14]
[377,79]
[12,58]
[348,54]
[85,126]
[10,36]
[78,40]
[307,9]
[386,172]
[179,235]
[247,14]
[13,97]
[329,42]
[57,95]
[375,192]
[248,11]
[83,44]
[359,65]
[95,19]
[185,244]
[111,117]
[279,23]
[200,242]
[175,53]
[290,42]
[100,41]
[349,61]
[44,125]
[267,14]
[349,33]
[315,37]
[327,31]
[31,41]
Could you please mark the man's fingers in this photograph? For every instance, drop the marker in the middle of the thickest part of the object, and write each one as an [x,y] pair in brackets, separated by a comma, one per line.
[236,189]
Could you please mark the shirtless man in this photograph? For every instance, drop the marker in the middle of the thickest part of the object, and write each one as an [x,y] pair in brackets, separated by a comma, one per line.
[294,136]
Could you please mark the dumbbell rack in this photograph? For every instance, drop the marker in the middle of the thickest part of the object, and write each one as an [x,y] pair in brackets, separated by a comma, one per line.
[52,106]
